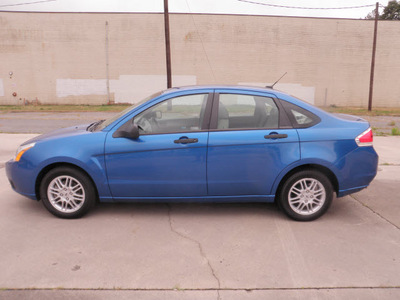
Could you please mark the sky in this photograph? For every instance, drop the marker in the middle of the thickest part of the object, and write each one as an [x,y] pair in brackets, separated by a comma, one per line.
[312,8]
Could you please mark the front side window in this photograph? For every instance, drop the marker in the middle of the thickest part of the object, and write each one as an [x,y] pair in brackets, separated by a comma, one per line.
[237,111]
[180,114]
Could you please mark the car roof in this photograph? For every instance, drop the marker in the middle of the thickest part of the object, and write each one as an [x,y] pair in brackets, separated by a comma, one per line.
[278,94]
[228,87]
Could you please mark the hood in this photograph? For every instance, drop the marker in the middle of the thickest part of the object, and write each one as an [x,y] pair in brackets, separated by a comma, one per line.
[61,133]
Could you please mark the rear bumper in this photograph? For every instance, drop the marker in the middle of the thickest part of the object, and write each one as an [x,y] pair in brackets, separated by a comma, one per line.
[343,193]
[359,169]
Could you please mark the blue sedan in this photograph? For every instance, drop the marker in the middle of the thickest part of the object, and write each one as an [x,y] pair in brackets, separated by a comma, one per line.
[203,143]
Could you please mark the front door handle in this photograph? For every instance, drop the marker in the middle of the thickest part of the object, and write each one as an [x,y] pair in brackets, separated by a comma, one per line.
[275,136]
[185,140]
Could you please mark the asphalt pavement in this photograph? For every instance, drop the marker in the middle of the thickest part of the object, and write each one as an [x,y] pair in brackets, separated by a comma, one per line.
[204,251]
[41,122]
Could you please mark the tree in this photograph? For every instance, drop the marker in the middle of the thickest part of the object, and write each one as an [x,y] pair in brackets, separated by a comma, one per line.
[390,12]
[371,15]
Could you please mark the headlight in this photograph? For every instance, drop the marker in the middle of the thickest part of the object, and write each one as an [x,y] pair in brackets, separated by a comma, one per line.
[22,149]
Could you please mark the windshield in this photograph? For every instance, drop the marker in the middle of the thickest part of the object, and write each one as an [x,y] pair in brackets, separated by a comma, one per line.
[107,122]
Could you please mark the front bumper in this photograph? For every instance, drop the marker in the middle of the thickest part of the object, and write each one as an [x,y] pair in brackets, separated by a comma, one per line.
[21,178]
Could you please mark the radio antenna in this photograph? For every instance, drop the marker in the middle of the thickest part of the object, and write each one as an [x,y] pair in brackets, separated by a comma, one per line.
[272,86]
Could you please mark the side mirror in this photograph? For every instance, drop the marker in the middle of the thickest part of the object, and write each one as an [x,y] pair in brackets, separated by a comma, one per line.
[128,130]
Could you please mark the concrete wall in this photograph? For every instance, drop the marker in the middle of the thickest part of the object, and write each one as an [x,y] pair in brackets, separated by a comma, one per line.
[70,58]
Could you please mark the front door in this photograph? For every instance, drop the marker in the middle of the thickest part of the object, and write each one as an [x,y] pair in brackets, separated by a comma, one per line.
[169,157]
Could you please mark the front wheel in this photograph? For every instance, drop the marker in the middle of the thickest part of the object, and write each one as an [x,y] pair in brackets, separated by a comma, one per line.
[67,193]
[306,195]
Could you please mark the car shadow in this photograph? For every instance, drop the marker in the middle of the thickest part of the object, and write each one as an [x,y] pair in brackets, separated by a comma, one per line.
[186,209]
[339,207]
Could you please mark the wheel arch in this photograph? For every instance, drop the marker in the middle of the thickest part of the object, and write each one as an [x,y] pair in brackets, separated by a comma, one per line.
[52,166]
[316,167]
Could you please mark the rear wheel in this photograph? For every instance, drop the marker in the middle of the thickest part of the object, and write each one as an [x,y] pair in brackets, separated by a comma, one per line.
[67,192]
[306,195]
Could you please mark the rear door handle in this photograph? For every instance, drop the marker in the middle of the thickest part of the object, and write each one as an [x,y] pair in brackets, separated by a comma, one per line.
[275,136]
[185,140]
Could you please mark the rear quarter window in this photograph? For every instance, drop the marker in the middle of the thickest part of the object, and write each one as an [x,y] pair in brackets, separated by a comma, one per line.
[300,117]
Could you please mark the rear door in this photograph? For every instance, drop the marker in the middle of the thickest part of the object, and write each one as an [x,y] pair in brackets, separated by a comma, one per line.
[250,142]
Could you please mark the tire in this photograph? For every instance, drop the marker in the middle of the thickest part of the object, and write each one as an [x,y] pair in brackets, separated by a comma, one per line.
[67,192]
[306,195]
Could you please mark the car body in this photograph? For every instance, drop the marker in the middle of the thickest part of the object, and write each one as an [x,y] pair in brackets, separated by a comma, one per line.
[201,143]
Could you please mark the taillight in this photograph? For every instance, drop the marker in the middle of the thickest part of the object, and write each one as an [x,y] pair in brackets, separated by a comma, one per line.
[365,139]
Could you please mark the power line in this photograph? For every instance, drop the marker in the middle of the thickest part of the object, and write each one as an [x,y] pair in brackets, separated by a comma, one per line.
[299,7]
[202,43]
[26,3]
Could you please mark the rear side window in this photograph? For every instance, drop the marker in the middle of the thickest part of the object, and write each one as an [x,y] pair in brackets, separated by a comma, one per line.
[237,111]
[300,117]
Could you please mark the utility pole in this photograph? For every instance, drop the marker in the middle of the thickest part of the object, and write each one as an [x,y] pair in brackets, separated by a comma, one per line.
[107,66]
[371,81]
[167,44]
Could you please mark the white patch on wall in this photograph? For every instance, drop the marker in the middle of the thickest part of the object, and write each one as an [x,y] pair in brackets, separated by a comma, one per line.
[1,88]
[133,88]
[81,87]
[306,93]
[126,89]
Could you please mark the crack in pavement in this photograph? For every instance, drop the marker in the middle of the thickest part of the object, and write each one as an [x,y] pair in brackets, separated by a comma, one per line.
[378,214]
[200,249]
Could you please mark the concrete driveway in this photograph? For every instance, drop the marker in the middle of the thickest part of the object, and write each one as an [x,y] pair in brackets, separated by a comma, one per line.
[204,251]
